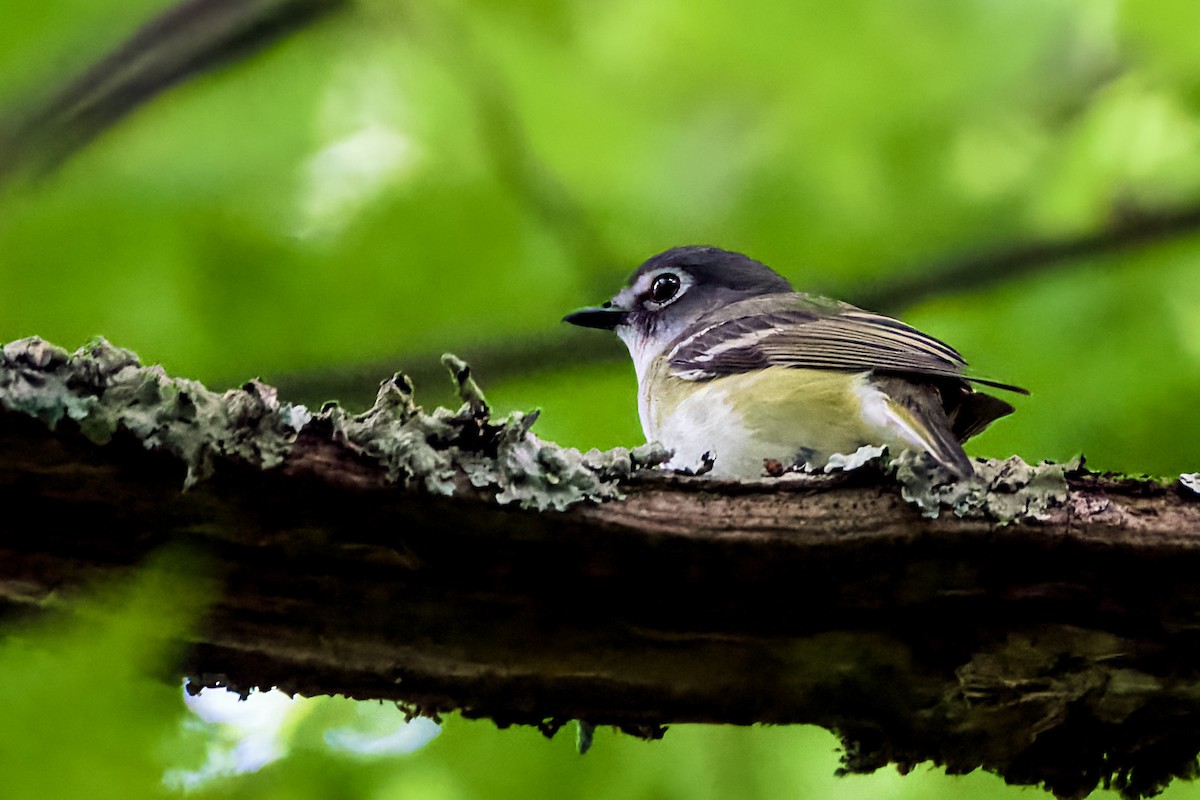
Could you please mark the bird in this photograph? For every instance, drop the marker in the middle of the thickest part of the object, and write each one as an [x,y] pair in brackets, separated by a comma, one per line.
[736,369]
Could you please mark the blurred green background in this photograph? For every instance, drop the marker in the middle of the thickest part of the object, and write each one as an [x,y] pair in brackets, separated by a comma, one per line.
[399,179]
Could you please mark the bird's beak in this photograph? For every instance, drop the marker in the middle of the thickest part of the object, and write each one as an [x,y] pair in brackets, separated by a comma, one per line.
[605,317]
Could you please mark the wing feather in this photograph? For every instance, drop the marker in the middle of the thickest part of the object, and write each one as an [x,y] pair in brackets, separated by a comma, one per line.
[801,332]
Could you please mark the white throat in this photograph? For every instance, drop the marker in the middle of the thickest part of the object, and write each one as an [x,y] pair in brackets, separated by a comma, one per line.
[642,349]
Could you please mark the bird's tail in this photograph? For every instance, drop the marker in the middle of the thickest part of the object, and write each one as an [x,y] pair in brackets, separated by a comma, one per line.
[975,412]
[918,412]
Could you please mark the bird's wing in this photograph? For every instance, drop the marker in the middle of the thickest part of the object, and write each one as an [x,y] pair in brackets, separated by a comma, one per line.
[805,332]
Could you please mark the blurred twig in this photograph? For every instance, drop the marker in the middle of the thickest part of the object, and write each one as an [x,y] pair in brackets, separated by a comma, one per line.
[566,347]
[355,385]
[193,37]
[186,40]
[1133,228]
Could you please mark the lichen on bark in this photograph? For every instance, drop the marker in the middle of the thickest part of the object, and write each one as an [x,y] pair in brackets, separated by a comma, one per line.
[1045,634]
[104,389]
[1002,491]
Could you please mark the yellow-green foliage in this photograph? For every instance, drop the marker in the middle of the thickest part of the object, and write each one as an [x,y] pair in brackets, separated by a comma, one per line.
[415,177]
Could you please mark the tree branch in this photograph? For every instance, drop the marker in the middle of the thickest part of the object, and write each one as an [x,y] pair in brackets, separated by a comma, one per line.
[451,561]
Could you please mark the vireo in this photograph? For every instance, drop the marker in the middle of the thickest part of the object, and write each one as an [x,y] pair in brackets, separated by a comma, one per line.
[734,367]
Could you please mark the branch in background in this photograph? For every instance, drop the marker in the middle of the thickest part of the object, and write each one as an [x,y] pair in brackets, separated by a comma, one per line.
[188,39]
[196,36]
[355,385]
[1132,229]
[563,347]
[1048,635]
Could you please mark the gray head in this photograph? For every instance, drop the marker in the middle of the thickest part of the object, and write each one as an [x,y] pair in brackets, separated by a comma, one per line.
[678,286]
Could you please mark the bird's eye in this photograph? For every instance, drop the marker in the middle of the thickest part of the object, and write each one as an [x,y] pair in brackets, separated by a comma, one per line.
[665,287]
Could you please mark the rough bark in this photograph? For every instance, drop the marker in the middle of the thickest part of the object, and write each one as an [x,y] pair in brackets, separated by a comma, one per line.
[1058,647]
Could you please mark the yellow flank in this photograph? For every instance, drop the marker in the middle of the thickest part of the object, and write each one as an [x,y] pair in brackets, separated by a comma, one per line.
[777,413]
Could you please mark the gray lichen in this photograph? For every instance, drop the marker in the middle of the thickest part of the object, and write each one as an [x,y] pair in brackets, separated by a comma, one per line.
[839,462]
[104,389]
[433,449]
[1001,491]
[468,391]
[33,382]
[1004,491]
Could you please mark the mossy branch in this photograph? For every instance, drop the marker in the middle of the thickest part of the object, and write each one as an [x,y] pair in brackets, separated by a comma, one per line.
[1041,623]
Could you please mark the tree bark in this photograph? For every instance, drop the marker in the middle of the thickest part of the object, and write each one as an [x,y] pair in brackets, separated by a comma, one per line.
[1058,644]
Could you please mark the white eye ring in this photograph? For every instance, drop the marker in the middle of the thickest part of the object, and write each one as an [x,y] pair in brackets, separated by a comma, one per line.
[665,288]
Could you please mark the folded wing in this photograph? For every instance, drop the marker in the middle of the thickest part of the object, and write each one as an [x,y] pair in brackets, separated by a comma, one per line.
[805,332]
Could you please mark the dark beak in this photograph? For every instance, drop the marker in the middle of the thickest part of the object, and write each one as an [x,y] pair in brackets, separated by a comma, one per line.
[605,317]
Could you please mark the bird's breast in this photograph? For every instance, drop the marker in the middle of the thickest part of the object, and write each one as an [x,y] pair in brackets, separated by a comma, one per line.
[788,415]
